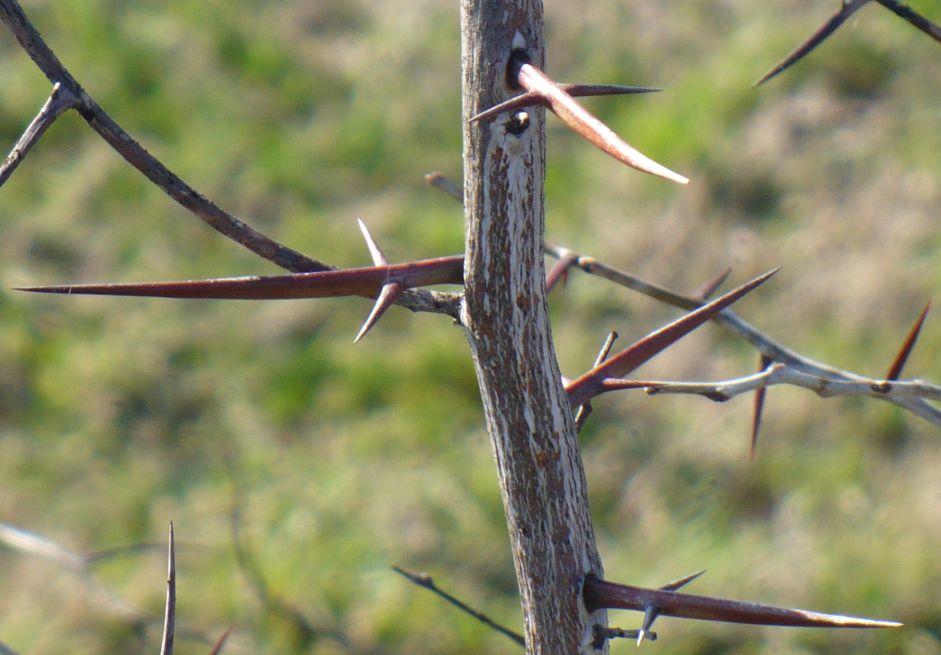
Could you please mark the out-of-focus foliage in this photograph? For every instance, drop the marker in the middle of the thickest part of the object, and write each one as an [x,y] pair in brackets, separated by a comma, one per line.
[117,416]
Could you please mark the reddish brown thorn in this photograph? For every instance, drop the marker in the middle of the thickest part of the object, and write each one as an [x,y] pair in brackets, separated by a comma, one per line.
[530,98]
[560,270]
[846,10]
[592,383]
[895,370]
[913,17]
[759,406]
[584,123]
[217,648]
[367,282]
[711,286]
[599,594]
[386,297]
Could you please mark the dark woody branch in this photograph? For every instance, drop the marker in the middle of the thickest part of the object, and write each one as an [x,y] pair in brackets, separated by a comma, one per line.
[68,93]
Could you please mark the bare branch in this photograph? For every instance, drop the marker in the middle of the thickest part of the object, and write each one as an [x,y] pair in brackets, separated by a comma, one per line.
[831,25]
[169,617]
[425,581]
[60,101]
[442,183]
[764,344]
[912,17]
[782,374]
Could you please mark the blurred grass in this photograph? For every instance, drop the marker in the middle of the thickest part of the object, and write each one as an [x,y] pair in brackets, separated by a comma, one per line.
[117,416]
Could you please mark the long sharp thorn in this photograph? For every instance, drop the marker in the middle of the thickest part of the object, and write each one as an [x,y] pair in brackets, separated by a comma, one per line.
[846,10]
[378,257]
[682,582]
[758,408]
[587,125]
[530,98]
[521,101]
[591,383]
[366,281]
[600,594]
[711,286]
[386,297]
[912,17]
[895,370]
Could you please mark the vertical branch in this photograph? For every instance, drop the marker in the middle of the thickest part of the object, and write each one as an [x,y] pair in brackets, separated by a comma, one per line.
[528,415]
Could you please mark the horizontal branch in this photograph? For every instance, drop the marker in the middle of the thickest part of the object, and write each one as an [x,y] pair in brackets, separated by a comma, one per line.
[782,374]
[764,344]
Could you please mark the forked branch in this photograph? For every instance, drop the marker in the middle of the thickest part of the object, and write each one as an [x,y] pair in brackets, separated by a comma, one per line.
[832,24]
[68,93]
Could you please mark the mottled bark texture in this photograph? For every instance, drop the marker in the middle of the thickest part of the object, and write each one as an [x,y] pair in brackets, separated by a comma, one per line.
[505,315]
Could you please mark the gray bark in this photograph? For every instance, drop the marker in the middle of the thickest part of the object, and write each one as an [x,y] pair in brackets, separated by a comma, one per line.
[505,317]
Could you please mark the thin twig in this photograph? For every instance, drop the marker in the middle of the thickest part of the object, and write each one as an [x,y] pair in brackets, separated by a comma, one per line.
[782,374]
[169,617]
[425,581]
[60,101]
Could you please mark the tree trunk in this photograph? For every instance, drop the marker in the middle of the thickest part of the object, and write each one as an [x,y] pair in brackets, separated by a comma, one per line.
[505,316]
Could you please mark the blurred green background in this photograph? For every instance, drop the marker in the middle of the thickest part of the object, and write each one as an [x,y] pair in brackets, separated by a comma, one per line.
[118,416]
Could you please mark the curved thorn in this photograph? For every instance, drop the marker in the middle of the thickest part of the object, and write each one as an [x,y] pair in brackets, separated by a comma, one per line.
[586,125]
[846,10]
[366,281]
[592,383]
[895,370]
[378,257]
[759,406]
[600,594]
[386,297]
[682,582]
[521,101]
[913,18]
